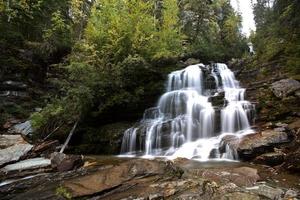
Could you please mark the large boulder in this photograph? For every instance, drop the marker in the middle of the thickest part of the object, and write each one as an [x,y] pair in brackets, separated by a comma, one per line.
[12,148]
[256,144]
[253,145]
[63,162]
[285,87]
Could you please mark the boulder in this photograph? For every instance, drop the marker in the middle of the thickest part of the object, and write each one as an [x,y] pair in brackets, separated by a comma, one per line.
[256,144]
[63,162]
[12,148]
[24,128]
[285,87]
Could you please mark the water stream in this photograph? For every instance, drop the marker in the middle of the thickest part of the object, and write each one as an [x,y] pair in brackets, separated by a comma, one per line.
[201,105]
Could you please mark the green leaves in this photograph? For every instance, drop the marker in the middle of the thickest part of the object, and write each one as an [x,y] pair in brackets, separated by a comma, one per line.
[277,36]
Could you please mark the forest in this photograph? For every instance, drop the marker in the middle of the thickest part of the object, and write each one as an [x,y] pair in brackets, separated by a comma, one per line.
[87,70]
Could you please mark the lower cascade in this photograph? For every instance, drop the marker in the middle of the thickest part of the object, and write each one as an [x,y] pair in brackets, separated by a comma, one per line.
[201,105]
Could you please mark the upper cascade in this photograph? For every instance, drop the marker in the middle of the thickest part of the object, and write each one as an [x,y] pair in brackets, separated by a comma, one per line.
[201,105]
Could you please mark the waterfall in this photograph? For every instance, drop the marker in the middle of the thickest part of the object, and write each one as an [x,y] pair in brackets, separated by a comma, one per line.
[186,122]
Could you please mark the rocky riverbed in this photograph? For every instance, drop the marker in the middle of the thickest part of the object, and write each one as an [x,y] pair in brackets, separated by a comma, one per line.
[133,178]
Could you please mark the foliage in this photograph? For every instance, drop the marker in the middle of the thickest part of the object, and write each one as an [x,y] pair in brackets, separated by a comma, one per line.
[63,192]
[213,29]
[278,33]
[102,50]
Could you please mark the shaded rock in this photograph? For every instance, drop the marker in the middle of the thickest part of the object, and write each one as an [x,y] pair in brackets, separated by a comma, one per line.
[191,61]
[218,100]
[295,124]
[28,164]
[115,176]
[44,148]
[292,161]
[285,87]
[22,128]
[63,162]
[272,159]
[12,148]
[13,85]
[253,145]
[10,122]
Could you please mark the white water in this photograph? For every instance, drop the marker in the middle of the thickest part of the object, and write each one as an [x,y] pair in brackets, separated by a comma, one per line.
[185,123]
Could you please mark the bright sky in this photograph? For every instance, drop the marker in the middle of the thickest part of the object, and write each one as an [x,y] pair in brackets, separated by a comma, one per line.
[247,14]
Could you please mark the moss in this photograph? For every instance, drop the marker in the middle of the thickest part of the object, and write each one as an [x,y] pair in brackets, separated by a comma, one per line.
[61,191]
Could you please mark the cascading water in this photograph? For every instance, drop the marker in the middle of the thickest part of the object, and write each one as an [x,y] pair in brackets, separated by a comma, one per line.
[202,105]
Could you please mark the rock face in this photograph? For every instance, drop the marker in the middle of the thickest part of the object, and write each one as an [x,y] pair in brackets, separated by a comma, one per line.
[114,177]
[285,87]
[63,162]
[12,148]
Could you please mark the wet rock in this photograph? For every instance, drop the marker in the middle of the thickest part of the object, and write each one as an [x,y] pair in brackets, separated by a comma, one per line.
[218,100]
[63,162]
[230,141]
[28,164]
[272,159]
[12,148]
[253,145]
[22,128]
[114,177]
[285,87]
